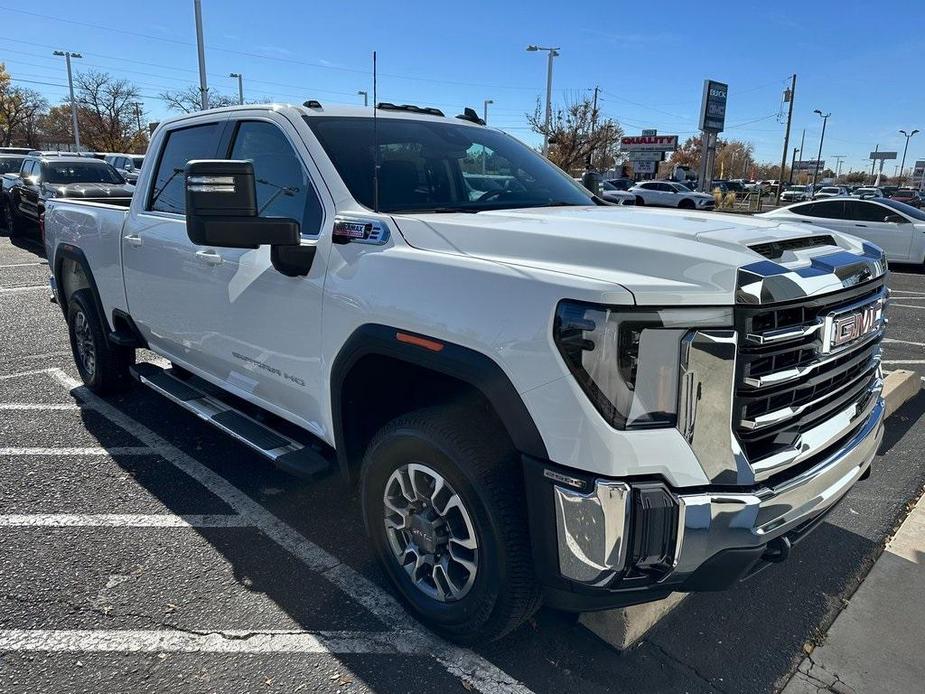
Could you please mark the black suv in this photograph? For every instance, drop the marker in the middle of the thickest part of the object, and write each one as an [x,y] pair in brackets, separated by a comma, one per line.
[44,177]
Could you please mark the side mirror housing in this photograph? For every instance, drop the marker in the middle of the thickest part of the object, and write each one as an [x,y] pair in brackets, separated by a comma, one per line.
[221,208]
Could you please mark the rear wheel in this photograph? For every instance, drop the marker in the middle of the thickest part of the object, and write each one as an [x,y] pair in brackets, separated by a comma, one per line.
[103,367]
[444,507]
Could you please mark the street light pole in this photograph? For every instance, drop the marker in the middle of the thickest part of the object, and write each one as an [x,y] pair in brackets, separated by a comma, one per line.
[551,53]
[138,105]
[200,46]
[240,86]
[902,167]
[783,160]
[70,85]
[485,109]
[825,118]
[365,97]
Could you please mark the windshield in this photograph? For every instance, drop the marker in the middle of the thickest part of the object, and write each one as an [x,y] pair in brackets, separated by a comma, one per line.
[136,162]
[829,190]
[798,189]
[440,166]
[907,210]
[80,172]
[10,164]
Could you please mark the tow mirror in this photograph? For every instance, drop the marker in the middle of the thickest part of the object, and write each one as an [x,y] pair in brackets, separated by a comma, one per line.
[895,219]
[221,211]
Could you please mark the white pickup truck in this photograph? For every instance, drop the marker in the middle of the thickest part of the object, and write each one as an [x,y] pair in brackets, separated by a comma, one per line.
[543,397]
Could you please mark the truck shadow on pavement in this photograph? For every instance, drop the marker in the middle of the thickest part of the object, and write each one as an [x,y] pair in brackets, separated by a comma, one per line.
[750,638]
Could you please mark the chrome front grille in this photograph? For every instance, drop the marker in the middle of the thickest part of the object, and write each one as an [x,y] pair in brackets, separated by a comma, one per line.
[795,393]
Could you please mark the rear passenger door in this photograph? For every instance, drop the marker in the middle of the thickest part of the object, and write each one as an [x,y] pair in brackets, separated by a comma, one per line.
[264,336]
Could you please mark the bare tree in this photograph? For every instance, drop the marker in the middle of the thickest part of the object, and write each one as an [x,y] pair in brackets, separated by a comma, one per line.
[19,112]
[577,135]
[188,100]
[107,112]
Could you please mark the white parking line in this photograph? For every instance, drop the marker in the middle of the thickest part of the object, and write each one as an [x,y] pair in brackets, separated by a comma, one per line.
[95,450]
[17,290]
[120,520]
[39,406]
[890,340]
[472,669]
[905,306]
[172,641]
[24,264]
[20,374]
[903,361]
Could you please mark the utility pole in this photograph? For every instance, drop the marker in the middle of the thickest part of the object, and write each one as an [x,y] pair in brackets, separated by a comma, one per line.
[137,105]
[873,162]
[902,167]
[365,97]
[200,46]
[838,158]
[793,163]
[788,96]
[70,85]
[240,86]
[551,53]
[825,118]
[590,160]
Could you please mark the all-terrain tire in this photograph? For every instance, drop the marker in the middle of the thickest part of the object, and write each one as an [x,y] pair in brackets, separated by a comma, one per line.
[103,367]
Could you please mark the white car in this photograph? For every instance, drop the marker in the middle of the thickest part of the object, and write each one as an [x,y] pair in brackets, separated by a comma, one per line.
[869,192]
[611,193]
[898,228]
[671,194]
[796,194]
[830,192]
[543,399]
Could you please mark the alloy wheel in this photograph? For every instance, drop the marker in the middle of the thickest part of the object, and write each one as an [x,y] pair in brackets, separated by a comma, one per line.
[83,340]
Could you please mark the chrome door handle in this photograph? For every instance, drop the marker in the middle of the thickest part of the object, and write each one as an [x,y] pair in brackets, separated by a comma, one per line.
[133,240]
[209,257]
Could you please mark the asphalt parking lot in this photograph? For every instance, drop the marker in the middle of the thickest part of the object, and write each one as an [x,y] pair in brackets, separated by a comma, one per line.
[143,551]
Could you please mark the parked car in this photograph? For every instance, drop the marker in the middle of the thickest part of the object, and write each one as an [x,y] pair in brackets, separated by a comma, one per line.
[550,401]
[43,178]
[869,192]
[830,192]
[888,190]
[621,183]
[10,163]
[796,194]
[728,186]
[897,228]
[908,196]
[15,150]
[671,194]
[129,165]
[611,193]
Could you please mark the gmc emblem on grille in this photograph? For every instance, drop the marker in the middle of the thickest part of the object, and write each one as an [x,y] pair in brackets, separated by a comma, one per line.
[843,328]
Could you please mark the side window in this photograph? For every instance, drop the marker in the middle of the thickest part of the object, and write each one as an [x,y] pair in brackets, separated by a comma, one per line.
[283,186]
[198,142]
[27,168]
[869,211]
[830,210]
[809,209]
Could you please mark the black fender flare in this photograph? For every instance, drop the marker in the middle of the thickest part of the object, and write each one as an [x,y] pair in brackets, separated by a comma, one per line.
[466,365]
[72,252]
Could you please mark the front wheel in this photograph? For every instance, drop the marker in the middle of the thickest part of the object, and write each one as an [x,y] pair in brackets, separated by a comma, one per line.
[443,503]
[11,221]
[103,367]
[639,201]
[686,204]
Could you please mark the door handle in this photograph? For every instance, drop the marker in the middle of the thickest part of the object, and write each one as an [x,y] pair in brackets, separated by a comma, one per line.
[209,257]
[133,240]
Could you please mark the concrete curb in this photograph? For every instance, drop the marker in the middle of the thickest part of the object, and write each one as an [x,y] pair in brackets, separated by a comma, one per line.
[621,628]
[898,387]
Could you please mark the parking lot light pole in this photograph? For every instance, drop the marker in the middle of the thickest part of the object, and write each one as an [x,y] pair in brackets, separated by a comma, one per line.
[902,167]
[240,86]
[825,118]
[70,85]
[485,109]
[551,53]
[201,50]
[365,97]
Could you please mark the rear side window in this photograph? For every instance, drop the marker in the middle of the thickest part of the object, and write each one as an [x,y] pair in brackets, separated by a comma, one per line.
[198,142]
[283,186]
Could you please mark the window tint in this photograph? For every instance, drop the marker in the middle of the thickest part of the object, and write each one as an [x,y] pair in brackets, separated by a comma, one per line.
[81,172]
[867,211]
[27,168]
[649,186]
[283,186]
[197,142]
[829,210]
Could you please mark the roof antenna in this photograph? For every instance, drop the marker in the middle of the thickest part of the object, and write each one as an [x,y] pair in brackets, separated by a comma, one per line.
[375,143]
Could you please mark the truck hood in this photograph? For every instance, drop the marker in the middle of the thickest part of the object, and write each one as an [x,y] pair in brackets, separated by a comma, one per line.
[90,190]
[662,256]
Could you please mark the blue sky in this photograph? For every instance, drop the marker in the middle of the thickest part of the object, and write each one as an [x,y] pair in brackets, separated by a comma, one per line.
[853,59]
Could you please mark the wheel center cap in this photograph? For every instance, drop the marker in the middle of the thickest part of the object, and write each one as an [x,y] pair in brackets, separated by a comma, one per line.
[425,534]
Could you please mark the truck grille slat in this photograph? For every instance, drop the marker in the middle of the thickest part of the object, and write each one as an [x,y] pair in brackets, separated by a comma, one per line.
[786,383]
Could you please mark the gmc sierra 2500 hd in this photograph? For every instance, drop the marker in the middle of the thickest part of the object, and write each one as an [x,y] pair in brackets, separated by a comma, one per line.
[543,397]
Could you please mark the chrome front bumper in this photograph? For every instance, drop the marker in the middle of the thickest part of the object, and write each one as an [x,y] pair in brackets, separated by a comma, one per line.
[593,527]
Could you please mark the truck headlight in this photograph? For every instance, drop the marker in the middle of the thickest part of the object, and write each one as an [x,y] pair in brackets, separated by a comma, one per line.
[627,359]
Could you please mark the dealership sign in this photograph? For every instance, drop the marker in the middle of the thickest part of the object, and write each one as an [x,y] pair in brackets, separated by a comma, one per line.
[808,164]
[918,172]
[649,143]
[713,106]
[644,167]
[645,155]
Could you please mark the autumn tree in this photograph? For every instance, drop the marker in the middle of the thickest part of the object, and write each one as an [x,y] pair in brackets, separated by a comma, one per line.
[106,114]
[188,99]
[577,135]
[19,113]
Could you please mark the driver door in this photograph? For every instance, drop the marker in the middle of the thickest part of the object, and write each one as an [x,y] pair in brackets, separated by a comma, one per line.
[867,220]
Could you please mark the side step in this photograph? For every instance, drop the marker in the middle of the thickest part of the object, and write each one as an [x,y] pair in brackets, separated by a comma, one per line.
[287,453]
